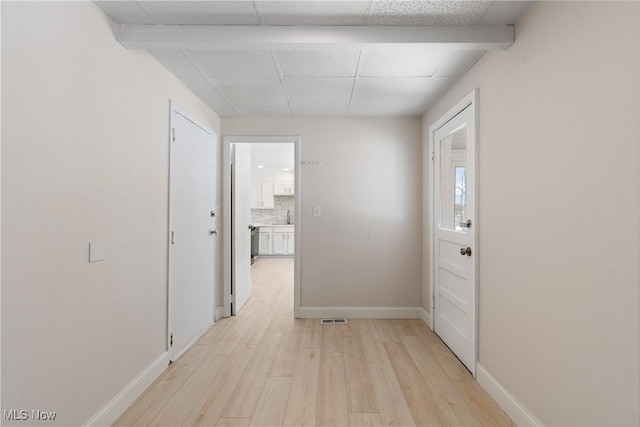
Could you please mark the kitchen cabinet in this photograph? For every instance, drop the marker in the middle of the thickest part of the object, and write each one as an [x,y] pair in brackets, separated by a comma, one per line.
[283,188]
[276,240]
[262,195]
[283,241]
[265,241]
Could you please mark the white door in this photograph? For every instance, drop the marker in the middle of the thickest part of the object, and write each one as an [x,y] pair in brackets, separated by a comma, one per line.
[192,194]
[241,222]
[454,245]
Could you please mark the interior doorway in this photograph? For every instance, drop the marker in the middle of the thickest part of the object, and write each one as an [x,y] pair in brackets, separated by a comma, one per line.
[261,202]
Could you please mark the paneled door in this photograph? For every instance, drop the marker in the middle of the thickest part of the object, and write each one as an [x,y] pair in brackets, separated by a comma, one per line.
[454,238]
[192,231]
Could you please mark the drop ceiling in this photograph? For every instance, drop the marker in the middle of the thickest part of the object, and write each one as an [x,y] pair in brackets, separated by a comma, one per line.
[208,46]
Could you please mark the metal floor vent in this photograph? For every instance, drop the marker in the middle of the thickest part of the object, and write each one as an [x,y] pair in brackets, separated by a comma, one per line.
[333,321]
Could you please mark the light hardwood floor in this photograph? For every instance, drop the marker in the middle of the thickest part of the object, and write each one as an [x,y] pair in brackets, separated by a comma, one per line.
[264,368]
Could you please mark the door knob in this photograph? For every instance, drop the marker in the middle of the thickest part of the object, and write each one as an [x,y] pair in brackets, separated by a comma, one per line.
[213,231]
[466,224]
[465,251]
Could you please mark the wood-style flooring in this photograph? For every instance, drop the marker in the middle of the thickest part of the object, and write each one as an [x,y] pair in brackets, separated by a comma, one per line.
[264,368]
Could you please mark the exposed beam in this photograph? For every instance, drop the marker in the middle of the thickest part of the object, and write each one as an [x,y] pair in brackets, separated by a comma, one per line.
[473,37]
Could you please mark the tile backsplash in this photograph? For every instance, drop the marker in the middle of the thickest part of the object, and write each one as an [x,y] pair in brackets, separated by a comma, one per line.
[278,215]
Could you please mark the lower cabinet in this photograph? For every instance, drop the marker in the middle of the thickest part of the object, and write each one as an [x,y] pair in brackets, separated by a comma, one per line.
[283,243]
[277,240]
[265,241]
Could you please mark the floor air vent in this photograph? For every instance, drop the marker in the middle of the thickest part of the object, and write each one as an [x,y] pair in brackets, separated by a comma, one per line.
[333,321]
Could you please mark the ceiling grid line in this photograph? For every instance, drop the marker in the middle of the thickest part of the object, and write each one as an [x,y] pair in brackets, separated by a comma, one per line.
[281,78]
[258,9]
[355,80]
[368,17]
[483,13]
[145,11]
[204,75]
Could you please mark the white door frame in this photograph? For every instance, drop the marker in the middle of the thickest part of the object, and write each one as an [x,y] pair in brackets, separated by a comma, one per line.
[226,216]
[471,101]
[174,107]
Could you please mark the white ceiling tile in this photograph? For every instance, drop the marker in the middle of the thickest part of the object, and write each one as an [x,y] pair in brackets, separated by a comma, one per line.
[321,110]
[400,12]
[386,110]
[459,62]
[176,62]
[314,12]
[125,12]
[434,89]
[401,62]
[504,12]
[202,12]
[212,97]
[234,63]
[263,111]
[381,91]
[318,63]
[251,91]
[318,92]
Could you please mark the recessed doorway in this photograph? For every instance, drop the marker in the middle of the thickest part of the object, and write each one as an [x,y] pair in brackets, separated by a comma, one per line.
[261,195]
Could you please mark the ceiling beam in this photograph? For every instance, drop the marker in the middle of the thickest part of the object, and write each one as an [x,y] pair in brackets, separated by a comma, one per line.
[221,37]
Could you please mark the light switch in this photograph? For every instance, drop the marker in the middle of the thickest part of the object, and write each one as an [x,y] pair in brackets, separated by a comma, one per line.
[97,250]
[317,211]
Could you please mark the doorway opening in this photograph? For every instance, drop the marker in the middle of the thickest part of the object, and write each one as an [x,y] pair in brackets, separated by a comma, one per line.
[261,222]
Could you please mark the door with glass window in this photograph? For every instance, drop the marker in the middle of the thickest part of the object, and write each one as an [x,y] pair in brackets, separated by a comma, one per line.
[454,245]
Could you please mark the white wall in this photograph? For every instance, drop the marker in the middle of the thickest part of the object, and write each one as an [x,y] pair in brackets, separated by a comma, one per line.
[366,248]
[84,156]
[559,172]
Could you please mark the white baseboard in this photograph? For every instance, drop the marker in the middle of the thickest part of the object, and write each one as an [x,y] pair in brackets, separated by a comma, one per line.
[219,313]
[116,406]
[426,317]
[516,410]
[361,312]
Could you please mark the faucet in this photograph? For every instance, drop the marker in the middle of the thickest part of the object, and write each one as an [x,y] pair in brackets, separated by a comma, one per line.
[288,216]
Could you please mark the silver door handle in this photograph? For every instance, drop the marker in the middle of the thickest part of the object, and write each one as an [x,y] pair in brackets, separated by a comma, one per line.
[466,224]
[465,251]
[213,231]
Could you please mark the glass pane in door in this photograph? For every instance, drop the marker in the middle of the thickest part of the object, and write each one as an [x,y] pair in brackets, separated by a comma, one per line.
[453,180]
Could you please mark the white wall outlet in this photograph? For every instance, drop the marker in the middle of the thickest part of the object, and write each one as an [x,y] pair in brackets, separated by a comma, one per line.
[97,250]
[317,211]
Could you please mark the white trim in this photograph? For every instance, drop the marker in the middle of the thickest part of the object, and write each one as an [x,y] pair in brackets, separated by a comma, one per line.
[362,312]
[519,414]
[470,100]
[121,401]
[226,214]
[426,317]
[219,313]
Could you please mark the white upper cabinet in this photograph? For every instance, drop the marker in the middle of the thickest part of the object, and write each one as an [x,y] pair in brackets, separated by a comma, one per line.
[262,195]
[283,188]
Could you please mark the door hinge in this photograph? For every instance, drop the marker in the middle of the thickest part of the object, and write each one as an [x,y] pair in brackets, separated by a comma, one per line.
[173,134]
[172,234]
[433,156]
[171,341]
